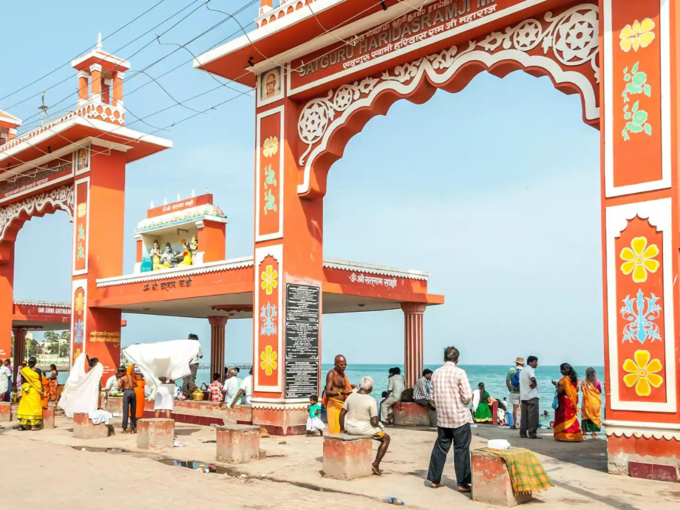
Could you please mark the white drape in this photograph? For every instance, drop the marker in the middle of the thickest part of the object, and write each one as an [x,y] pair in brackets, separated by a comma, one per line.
[81,391]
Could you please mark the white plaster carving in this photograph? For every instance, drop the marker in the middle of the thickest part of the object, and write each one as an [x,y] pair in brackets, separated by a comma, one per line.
[572,36]
[667,431]
[61,198]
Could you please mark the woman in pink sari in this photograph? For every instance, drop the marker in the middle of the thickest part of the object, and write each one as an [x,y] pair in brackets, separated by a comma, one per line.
[567,427]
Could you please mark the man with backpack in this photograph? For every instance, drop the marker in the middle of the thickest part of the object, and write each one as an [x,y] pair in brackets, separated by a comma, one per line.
[512,382]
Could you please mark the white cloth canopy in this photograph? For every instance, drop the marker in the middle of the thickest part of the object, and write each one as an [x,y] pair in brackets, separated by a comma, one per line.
[81,391]
[168,360]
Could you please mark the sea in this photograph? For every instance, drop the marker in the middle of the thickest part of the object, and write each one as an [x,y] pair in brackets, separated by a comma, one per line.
[493,377]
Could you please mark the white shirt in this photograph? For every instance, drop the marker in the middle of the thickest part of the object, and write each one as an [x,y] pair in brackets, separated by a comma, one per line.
[231,387]
[247,386]
[5,374]
[112,383]
[526,392]
[194,360]
[396,385]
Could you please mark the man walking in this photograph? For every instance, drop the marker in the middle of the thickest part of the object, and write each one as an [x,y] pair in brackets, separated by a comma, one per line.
[528,388]
[450,393]
[512,382]
[190,381]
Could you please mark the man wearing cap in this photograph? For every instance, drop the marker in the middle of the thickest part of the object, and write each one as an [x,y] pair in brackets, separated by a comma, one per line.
[514,390]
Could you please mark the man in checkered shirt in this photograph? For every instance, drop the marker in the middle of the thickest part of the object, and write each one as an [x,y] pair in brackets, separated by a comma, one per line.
[450,393]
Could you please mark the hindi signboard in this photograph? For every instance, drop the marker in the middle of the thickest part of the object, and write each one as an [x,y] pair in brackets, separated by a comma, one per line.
[303,308]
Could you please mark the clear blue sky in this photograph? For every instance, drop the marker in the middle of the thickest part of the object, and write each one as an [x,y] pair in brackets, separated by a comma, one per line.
[494,191]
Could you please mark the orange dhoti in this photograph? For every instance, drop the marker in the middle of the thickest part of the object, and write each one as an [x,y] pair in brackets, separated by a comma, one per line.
[333,408]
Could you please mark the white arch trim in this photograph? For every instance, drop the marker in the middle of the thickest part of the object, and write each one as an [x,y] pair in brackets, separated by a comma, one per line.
[318,120]
[60,198]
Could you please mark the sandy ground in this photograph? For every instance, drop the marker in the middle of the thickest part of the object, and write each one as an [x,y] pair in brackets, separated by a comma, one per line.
[292,475]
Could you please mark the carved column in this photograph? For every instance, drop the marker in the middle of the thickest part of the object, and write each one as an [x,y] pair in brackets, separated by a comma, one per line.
[413,342]
[217,345]
[19,350]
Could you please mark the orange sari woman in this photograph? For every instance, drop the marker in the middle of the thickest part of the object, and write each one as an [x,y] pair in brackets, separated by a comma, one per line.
[567,427]
[591,407]
[139,394]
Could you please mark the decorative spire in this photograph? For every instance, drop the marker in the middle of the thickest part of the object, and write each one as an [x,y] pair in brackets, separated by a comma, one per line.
[99,41]
[165,201]
[193,193]
[151,206]
[178,197]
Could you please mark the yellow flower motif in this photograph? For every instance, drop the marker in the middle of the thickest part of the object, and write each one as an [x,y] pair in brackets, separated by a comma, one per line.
[80,303]
[269,283]
[82,210]
[270,146]
[639,259]
[642,373]
[268,357]
[637,36]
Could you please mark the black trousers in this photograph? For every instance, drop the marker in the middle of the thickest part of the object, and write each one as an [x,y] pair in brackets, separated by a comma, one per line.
[461,438]
[529,423]
[129,408]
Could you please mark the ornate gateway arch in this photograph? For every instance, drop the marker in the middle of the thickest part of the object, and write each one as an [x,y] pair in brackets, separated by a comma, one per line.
[322,69]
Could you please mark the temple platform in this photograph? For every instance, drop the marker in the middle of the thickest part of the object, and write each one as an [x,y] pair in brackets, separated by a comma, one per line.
[579,471]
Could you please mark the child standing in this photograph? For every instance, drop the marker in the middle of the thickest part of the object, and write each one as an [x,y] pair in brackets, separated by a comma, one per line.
[314,422]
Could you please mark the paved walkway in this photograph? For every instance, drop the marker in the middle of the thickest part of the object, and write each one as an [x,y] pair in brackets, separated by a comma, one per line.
[292,477]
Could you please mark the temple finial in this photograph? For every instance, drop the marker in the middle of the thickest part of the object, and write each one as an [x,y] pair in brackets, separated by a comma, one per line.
[99,41]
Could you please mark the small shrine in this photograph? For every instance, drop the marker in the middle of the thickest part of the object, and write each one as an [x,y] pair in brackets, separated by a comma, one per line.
[184,233]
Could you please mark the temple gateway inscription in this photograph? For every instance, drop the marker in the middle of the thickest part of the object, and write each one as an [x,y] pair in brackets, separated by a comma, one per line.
[302,340]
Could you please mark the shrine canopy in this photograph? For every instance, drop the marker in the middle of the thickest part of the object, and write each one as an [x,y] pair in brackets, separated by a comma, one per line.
[43,315]
[182,270]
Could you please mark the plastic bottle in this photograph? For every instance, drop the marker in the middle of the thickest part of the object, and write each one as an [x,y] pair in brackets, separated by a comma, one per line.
[393,501]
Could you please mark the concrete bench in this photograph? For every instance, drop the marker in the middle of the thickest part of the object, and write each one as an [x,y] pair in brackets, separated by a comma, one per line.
[346,457]
[5,411]
[237,444]
[83,428]
[410,414]
[155,433]
[491,482]
[48,418]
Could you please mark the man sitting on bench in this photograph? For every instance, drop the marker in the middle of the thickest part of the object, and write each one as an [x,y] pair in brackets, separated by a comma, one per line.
[359,417]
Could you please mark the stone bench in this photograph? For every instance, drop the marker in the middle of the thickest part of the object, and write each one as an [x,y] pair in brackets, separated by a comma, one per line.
[83,428]
[237,444]
[48,418]
[155,433]
[346,457]
[491,482]
[5,411]
[410,414]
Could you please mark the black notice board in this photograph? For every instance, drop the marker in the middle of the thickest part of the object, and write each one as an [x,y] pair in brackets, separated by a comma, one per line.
[302,340]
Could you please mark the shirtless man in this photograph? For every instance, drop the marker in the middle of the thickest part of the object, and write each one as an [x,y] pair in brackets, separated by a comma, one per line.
[127,385]
[337,390]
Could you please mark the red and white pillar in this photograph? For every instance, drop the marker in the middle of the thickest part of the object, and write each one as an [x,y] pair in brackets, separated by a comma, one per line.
[413,342]
[19,350]
[217,345]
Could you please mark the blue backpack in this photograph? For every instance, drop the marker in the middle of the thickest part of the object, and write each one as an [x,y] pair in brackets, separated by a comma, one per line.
[514,382]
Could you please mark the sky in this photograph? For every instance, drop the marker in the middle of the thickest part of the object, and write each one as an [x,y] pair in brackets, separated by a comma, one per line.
[493,190]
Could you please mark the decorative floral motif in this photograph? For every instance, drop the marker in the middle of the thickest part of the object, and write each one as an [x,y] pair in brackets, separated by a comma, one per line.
[268,318]
[79,328]
[636,83]
[642,373]
[270,146]
[269,279]
[639,35]
[641,312]
[60,198]
[268,357]
[572,36]
[80,303]
[269,201]
[269,177]
[82,210]
[639,259]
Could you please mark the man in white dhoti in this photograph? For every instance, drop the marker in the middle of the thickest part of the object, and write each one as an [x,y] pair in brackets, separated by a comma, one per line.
[359,417]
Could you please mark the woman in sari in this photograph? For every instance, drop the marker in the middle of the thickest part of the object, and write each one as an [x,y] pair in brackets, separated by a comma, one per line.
[32,392]
[53,383]
[567,427]
[482,411]
[591,408]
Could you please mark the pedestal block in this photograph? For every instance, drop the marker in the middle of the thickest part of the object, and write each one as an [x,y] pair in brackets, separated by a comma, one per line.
[48,418]
[5,411]
[155,433]
[238,444]
[410,414]
[346,457]
[491,481]
[83,428]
